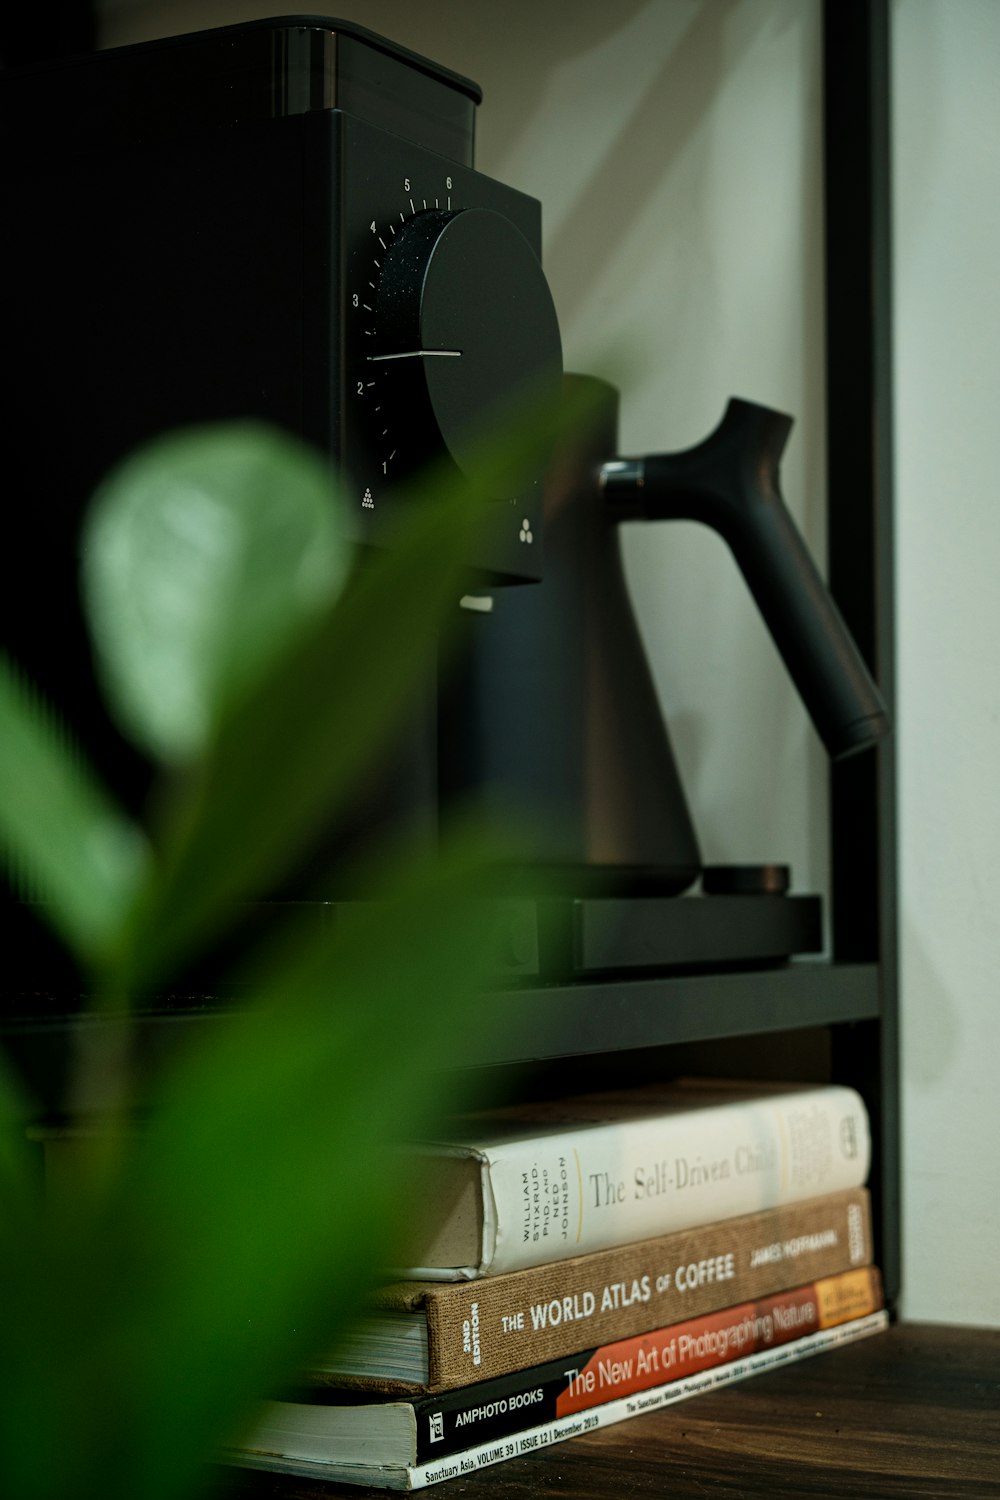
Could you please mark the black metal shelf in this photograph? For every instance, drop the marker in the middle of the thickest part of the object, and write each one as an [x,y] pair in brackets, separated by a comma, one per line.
[860,504]
[516,1026]
[609,1016]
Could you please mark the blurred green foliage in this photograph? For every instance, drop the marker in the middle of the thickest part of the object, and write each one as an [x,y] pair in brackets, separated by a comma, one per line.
[194,1262]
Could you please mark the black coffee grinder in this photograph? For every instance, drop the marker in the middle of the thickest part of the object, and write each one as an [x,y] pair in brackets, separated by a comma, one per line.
[277,220]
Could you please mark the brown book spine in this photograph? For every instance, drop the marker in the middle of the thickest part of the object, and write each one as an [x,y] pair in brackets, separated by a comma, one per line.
[480,1329]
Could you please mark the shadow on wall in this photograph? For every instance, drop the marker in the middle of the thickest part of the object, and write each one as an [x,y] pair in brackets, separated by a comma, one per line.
[619,185]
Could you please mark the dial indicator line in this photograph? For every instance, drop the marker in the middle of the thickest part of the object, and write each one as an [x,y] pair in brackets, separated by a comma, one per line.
[376,359]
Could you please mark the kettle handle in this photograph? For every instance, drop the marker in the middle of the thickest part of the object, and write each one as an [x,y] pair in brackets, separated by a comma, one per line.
[730,482]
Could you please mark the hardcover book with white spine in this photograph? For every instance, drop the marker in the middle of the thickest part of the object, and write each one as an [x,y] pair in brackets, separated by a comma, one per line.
[529,1184]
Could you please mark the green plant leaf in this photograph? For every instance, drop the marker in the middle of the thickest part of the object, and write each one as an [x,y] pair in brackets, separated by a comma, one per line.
[209,1255]
[204,553]
[289,756]
[251,1216]
[64,841]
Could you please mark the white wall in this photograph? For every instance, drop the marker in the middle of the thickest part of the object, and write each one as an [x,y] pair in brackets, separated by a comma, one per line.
[947,290]
[675,147]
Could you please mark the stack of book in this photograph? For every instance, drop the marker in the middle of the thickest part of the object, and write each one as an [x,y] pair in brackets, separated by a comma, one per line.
[581,1262]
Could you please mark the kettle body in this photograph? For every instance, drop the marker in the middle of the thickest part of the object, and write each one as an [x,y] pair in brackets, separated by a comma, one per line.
[552,717]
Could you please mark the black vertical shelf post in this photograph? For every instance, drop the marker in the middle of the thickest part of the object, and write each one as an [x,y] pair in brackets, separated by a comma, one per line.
[857,191]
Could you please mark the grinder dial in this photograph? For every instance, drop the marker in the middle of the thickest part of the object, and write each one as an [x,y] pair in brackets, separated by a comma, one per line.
[465,341]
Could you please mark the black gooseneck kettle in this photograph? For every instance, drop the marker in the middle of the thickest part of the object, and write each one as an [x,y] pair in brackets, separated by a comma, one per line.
[554,717]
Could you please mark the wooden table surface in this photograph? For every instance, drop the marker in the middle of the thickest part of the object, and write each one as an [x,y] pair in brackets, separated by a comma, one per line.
[913,1411]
